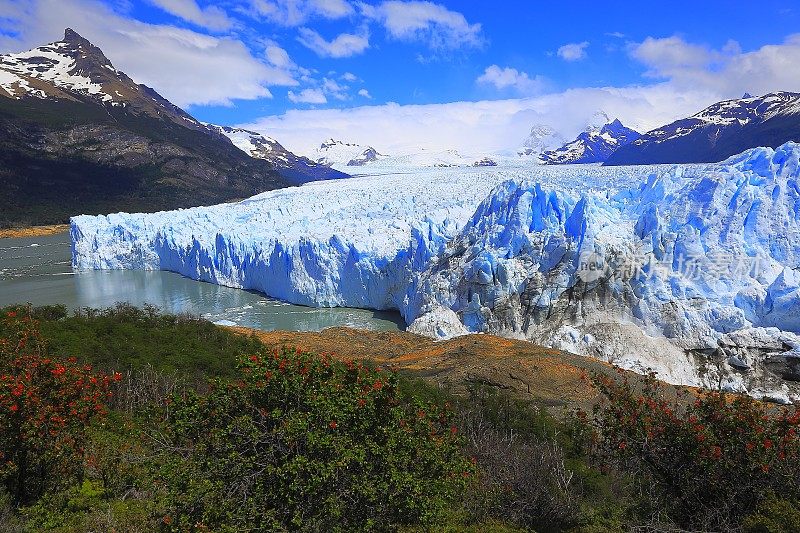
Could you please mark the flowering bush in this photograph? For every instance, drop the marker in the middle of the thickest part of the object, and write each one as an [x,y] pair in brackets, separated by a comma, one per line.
[304,441]
[707,460]
[45,405]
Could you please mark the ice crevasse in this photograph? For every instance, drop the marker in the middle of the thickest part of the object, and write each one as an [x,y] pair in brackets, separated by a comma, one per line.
[692,271]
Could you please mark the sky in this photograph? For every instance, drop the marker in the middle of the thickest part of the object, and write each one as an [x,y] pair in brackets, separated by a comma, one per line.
[400,75]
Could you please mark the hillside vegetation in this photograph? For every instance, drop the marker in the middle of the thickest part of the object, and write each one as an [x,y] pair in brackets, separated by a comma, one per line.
[125,419]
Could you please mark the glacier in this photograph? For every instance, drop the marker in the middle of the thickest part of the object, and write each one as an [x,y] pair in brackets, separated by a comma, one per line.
[691,271]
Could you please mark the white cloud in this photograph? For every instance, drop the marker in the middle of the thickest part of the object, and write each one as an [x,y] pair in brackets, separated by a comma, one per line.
[479,126]
[308,96]
[349,76]
[511,78]
[211,17]
[573,51]
[343,45]
[431,23]
[334,89]
[277,56]
[617,34]
[728,71]
[298,12]
[186,67]
[364,93]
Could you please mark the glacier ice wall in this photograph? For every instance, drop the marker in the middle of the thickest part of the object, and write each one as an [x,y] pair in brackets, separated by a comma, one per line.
[692,271]
[704,258]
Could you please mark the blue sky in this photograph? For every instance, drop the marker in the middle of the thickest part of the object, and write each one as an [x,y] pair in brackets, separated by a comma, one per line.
[309,68]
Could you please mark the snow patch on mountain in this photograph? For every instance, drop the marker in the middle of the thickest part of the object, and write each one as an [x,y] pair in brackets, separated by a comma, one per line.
[541,139]
[689,270]
[252,143]
[54,63]
[294,168]
[742,111]
[594,145]
[341,154]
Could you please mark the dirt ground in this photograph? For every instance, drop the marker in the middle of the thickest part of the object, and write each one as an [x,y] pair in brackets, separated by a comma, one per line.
[557,379]
[34,231]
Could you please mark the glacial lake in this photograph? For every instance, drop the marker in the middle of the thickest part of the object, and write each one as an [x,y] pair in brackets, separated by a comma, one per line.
[38,270]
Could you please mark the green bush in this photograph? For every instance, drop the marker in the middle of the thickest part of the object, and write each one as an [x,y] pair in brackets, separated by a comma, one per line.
[125,336]
[705,462]
[305,442]
[774,515]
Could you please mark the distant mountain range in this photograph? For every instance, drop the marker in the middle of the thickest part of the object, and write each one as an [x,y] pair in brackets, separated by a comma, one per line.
[79,136]
[594,145]
[718,132]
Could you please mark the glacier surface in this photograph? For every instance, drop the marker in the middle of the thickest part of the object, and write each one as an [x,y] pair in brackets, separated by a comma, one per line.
[692,271]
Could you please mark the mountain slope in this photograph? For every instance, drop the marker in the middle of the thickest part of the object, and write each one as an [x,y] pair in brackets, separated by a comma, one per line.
[334,152]
[594,145]
[719,131]
[79,136]
[541,139]
[293,168]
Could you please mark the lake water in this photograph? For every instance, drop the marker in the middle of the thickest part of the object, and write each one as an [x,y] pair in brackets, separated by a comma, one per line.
[38,270]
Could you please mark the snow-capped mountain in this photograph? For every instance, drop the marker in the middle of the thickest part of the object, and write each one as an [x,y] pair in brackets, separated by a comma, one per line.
[541,139]
[719,131]
[293,167]
[335,152]
[73,69]
[78,135]
[594,145]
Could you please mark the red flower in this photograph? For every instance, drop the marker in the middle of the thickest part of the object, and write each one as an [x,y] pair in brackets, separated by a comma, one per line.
[333,424]
[623,445]
[254,358]
[767,444]
[14,408]
[453,430]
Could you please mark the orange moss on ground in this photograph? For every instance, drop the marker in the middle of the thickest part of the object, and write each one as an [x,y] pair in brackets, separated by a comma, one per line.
[34,231]
[554,378]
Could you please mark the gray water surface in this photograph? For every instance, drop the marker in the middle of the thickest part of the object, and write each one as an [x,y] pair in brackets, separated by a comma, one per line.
[38,270]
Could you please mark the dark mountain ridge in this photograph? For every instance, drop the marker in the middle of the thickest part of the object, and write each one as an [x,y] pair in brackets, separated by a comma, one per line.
[78,136]
[718,132]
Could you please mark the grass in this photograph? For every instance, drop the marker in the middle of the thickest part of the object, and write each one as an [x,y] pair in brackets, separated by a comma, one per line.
[127,337]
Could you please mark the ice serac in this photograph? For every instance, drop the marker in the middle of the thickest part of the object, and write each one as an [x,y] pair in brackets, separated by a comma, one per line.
[694,268]
[691,271]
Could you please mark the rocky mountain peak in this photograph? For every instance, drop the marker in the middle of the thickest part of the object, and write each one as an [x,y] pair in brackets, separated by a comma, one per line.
[594,145]
[86,55]
[73,37]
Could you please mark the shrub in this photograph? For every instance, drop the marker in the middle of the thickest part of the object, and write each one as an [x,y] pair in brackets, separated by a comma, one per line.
[127,337]
[305,442]
[774,515]
[708,462]
[522,475]
[45,406]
